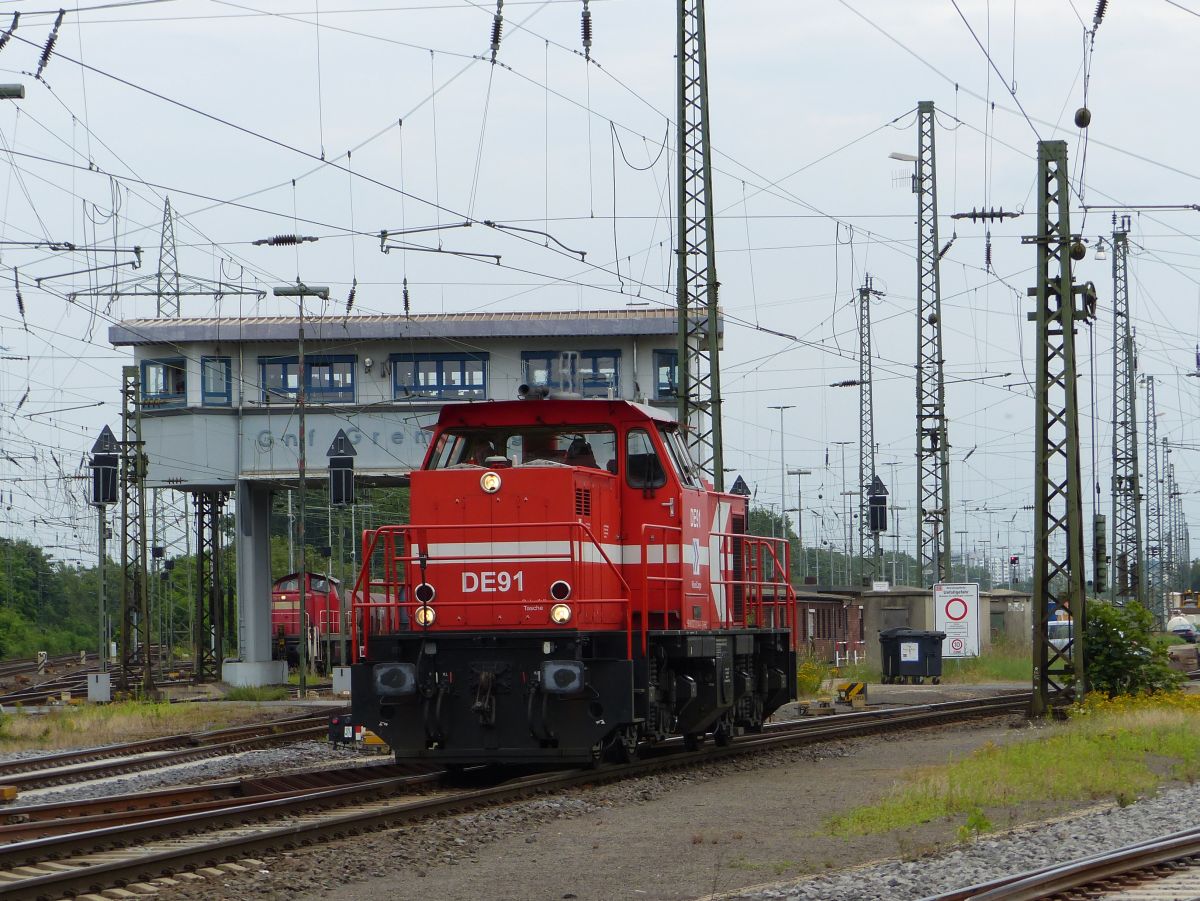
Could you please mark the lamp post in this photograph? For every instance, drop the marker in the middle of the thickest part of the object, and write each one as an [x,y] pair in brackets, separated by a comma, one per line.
[782,468]
[800,517]
[301,291]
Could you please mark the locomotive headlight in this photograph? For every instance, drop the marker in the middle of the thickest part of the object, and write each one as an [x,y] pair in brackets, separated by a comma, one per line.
[490,482]
[560,614]
[424,593]
[425,616]
[560,590]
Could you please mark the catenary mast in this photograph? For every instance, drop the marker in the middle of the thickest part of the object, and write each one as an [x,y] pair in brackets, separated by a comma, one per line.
[698,371]
[933,445]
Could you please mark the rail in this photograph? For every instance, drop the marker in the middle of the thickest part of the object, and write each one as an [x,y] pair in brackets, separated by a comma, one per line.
[389,603]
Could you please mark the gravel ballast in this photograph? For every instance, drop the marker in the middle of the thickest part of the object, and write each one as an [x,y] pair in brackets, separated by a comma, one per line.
[749,829]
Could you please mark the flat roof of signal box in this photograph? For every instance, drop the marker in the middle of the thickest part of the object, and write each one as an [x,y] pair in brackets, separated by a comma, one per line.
[540,324]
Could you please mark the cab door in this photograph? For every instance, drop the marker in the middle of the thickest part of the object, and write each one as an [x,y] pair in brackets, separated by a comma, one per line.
[651,533]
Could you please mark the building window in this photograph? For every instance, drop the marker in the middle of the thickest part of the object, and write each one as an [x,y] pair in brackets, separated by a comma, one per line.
[437,376]
[591,373]
[215,384]
[597,373]
[666,374]
[328,379]
[164,382]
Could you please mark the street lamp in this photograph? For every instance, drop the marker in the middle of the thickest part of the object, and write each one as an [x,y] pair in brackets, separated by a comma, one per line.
[301,291]
[800,517]
[782,468]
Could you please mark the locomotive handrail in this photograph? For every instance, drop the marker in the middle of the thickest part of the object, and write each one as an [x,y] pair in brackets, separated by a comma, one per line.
[578,535]
[647,579]
[754,587]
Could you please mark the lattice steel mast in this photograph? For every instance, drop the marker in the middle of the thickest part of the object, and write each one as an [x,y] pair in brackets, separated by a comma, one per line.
[135,591]
[871,568]
[207,622]
[1155,589]
[699,379]
[168,267]
[1128,563]
[1059,577]
[1171,532]
[933,445]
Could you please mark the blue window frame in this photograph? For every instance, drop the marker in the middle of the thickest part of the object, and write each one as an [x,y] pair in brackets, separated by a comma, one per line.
[329,378]
[439,376]
[164,382]
[216,387]
[591,373]
[666,374]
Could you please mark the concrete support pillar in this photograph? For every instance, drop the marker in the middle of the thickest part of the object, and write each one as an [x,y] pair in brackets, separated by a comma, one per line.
[253,664]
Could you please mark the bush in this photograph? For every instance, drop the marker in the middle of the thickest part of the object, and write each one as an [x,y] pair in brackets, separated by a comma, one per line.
[1121,656]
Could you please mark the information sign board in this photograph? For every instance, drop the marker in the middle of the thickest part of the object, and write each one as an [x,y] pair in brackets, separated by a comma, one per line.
[956,612]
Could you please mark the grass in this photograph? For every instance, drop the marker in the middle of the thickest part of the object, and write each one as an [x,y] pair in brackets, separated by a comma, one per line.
[92,725]
[1116,750]
[257,693]
[1004,661]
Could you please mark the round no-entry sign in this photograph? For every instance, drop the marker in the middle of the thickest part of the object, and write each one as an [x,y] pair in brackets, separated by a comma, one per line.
[956,609]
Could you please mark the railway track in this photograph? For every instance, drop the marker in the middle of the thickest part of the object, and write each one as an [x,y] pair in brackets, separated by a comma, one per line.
[144,849]
[153,753]
[1165,867]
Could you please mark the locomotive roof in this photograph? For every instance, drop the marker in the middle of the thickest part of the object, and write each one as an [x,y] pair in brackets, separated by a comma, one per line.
[549,412]
[332,579]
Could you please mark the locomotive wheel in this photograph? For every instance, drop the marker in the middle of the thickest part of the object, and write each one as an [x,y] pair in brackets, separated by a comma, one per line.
[937,680]
[624,746]
[723,733]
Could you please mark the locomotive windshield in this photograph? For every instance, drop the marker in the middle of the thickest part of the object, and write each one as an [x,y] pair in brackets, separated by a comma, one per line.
[588,446]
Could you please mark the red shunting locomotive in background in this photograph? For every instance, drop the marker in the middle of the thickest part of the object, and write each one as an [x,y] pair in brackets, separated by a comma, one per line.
[568,588]
[326,636]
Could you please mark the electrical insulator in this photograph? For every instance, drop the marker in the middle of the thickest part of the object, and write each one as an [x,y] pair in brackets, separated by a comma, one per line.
[50,42]
[20,299]
[1101,8]
[350,297]
[7,36]
[404,294]
[987,251]
[497,28]
[585,29]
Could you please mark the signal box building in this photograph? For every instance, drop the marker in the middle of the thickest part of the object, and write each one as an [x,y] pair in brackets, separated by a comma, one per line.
[219,403]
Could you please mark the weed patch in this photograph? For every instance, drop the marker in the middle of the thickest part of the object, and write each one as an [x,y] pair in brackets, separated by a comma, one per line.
[1105,751]
[257,693]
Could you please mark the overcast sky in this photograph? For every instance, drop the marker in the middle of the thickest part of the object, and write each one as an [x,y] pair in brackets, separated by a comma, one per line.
[228,108]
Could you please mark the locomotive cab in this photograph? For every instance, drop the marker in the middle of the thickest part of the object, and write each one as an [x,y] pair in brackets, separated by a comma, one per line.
[567,584]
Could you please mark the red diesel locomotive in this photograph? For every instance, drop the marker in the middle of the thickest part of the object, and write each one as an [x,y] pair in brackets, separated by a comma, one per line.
[323,619]
[568,588]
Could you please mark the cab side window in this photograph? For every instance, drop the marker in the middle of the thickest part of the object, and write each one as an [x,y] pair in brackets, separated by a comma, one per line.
[643,468]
